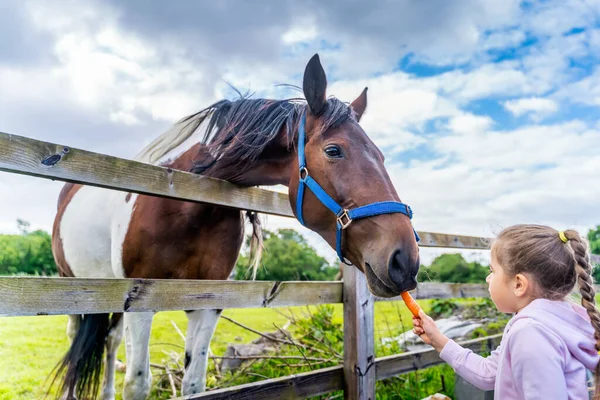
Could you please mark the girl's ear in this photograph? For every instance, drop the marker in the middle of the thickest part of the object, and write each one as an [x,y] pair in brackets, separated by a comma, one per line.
[521,285]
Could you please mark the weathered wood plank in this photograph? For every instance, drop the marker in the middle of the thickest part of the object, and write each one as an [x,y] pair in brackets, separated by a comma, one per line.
[359,336]
[298,386]
[327,380]
[43,296]
[387,367]
[21,296]
[431,239]
[26,156]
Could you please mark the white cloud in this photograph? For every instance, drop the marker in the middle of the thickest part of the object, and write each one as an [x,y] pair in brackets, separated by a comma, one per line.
[112,71]
[398,107]
[585,91]
[536,107]
[536,174]
[503,39]
[470,124]
[304,32]
[499,79]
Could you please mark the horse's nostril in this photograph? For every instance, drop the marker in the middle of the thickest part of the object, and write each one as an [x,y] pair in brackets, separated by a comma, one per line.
[401,270]
[395,268]
[396,260]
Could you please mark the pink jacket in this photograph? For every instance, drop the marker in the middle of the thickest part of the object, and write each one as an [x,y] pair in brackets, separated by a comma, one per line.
[544,353]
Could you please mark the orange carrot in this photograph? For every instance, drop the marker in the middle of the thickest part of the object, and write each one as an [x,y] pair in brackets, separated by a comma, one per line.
[411,303]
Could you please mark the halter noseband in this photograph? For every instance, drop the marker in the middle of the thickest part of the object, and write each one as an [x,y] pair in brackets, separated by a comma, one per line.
[344,216]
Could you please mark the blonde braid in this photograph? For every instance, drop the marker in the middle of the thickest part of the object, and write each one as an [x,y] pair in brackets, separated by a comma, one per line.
[585,282]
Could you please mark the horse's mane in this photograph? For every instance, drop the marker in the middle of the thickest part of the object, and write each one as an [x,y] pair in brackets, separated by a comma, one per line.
[238,131]
[236,134]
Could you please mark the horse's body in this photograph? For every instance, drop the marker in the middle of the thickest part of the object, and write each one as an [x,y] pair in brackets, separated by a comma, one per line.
[100,233]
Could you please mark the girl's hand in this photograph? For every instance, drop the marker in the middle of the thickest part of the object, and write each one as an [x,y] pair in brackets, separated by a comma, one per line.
[427,330]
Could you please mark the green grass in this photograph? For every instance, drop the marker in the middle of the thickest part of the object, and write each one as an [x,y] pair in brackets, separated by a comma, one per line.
[31,346]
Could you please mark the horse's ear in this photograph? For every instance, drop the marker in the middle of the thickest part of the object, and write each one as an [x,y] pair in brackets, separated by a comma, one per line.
[315,86]
[359,105]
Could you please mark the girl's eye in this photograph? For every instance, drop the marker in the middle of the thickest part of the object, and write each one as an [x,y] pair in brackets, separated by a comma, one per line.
[333,152]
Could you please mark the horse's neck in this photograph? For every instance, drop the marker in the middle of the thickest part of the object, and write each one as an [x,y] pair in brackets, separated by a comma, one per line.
[272,168]
[268,170]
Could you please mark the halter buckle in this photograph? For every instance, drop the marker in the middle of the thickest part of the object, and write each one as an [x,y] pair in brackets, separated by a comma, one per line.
[340,219]
[303,171]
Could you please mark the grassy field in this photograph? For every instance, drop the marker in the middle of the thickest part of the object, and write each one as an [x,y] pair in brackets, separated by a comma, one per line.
[31,346]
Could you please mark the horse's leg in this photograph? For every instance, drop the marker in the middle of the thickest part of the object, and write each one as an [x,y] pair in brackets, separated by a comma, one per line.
[194,380]
[113,340]
[138,378]
[193,318]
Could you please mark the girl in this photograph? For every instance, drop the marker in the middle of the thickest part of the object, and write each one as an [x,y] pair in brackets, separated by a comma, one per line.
[548,345]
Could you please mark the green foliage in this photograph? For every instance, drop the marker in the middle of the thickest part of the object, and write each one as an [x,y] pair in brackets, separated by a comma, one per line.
[320,327]
[287,257]
[453,268]
[29,253]
[594,239]
[442,308]
[417,385]
[318,334]
[481,309]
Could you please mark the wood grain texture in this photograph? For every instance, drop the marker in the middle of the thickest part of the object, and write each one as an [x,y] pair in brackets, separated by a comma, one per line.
[44,296]
[20,296]
[298,386]
[359,337]
[431,239]
[26,156]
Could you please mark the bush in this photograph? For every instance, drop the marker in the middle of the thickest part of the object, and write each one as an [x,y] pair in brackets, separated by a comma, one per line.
[442,308]
[29,253]
[318,343]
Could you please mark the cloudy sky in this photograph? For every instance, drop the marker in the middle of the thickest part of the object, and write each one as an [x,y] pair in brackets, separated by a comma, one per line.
[487,111]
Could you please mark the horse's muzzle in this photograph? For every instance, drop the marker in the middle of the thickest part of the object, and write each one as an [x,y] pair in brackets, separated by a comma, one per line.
[402,271]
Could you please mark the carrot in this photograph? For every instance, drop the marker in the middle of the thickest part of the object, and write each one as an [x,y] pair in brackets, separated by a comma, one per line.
[411,303]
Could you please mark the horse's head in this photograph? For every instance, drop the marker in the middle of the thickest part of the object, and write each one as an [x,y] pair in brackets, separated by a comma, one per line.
[346,164]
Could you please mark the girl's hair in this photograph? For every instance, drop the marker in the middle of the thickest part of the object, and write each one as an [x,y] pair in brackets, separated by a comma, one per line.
[555,263]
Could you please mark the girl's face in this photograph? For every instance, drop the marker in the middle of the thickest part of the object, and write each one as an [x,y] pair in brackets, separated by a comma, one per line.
[501,288]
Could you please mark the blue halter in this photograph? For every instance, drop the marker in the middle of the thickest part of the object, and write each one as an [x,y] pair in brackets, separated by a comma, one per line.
[344,216]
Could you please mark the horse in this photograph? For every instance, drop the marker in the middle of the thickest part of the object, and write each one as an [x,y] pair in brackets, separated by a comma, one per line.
[338,187]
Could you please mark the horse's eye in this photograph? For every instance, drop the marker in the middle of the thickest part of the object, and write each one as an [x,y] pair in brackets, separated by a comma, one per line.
[333,152]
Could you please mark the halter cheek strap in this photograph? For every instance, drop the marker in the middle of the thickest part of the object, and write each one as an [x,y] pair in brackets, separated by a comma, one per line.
[344,216]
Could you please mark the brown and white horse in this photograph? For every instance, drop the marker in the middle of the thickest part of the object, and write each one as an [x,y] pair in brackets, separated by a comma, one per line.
[101,233]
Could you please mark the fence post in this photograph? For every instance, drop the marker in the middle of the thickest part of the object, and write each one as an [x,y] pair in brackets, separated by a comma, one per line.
[359,337]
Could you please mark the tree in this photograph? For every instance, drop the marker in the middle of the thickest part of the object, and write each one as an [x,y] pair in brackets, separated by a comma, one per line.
[287,257]
[453,268]
[27,253]
[594,240]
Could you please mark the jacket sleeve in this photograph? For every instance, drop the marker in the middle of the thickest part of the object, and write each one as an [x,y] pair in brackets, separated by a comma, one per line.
[537,359]
[475,369]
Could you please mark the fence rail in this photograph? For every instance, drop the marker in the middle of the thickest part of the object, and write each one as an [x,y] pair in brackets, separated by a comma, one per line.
[21,296]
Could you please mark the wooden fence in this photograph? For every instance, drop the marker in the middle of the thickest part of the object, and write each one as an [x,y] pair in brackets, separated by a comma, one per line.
[45,296]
